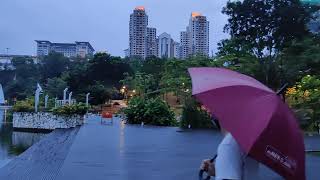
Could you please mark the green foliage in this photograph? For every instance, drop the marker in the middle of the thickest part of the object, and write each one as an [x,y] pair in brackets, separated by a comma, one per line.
[24,106]
[150,111]
[195,116]
[263,28]
[302,57]
[22,78]
[158,113]
[69,110]
[141,82]
[55,87]
[9,116]
[176,77]
[107,69]
[54,65]
[305,97]
[99,93]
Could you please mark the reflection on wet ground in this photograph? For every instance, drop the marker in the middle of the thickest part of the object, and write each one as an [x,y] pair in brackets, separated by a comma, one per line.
[126,152]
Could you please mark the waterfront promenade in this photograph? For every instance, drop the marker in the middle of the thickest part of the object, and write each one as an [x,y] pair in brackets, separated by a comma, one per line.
[123,152]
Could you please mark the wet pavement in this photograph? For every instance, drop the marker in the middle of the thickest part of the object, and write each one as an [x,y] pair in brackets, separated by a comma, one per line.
[42,161]
[121,152]
[125,152]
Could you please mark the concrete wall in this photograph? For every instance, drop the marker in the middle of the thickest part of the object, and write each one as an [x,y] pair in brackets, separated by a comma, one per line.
[25,139]
[44,120]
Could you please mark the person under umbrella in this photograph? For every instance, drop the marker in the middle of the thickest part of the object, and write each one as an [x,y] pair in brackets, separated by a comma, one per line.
[257,124]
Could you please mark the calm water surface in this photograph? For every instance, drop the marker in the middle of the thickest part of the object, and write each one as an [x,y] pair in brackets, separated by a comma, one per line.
[13,143]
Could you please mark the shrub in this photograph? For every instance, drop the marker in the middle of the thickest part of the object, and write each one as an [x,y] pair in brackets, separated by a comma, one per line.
[304,97]
[195,116]
[69,110]
[24,106]
[157,112]
[150,111]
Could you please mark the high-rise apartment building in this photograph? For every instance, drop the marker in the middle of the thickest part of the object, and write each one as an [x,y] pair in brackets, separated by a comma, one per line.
[167,47]
[195,40]
[184,44]
[77,49]
[152,49]
[138,33]
[164,45]
[176,50]
[199,34]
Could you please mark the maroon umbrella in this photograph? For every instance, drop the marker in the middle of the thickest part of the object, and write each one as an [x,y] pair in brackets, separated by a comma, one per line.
[258,119]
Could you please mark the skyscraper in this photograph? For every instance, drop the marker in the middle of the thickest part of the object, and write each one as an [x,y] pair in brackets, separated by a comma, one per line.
[195,40]
[152,49]
[184,44]
[164,45]
[199,34]
[167,47]
[138,33]
[176,50]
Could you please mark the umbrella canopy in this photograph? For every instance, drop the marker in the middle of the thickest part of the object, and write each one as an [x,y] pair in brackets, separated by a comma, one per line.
[258,119]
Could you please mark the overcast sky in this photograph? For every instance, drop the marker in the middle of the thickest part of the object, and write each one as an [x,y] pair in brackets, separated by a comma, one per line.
[104,23]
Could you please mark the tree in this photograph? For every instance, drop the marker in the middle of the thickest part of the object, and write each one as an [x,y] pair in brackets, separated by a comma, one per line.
[235,55]
[304,96]
[107,69]
[302,57]
[153,66]
[25,77]
[54,65]
[55,87]
[175,76]
[265,27]
[98,93]
[142,83]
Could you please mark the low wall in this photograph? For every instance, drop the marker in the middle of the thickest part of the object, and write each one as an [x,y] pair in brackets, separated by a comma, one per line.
[44,120]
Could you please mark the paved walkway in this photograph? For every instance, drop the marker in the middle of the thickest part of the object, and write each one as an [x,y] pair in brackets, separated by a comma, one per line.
[124,152]
[132,152]
[121,152]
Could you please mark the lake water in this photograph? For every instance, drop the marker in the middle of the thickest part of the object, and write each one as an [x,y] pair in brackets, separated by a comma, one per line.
[13,143]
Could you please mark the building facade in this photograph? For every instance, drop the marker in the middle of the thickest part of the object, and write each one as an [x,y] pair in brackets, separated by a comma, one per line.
[77,49]
[138,33]
[195,40]
[199,34]
[184,44]
[176,50]
[152,48]
[167,47]
[164,45]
